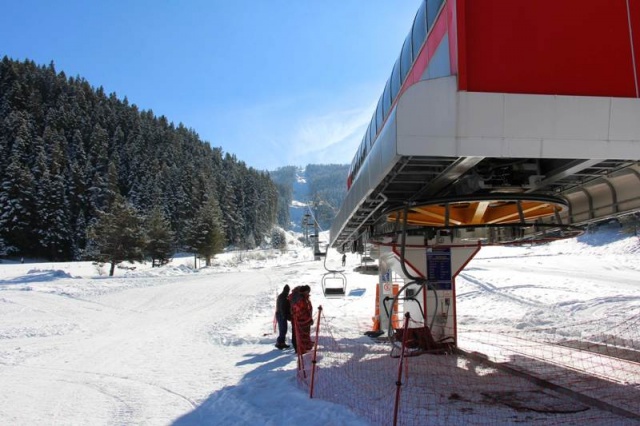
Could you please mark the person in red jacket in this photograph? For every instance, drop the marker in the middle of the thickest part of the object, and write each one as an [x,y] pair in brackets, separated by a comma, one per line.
[302,311]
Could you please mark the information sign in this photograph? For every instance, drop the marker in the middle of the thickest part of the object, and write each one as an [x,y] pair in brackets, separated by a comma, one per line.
[439,268]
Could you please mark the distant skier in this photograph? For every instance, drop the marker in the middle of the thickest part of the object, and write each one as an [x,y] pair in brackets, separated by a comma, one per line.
[344,259]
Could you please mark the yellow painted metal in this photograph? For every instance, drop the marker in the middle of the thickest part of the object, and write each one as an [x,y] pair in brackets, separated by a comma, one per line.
[479,212]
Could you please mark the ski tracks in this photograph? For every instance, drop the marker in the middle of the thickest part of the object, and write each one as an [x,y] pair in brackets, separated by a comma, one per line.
[485,287]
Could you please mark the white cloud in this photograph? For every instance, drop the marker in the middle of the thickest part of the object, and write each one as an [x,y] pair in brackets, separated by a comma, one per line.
[298,130]
[331,134]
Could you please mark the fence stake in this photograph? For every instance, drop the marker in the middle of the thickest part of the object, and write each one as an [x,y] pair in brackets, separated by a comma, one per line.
[399,381]
[315,352]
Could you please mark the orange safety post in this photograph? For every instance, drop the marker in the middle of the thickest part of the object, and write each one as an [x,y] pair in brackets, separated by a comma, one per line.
[275,320]
[395,320]
[376,317]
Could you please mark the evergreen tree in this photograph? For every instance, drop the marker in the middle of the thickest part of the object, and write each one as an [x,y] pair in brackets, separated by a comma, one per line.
[285,197]
[205,235]
[117,235]
[3,248]
[17,206]
[160,244]
[278,239]
[99,194]
[231,202]
[284,179]
[52,210]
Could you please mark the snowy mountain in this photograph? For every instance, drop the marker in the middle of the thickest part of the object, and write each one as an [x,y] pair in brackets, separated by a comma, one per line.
[321,188]
[301,199]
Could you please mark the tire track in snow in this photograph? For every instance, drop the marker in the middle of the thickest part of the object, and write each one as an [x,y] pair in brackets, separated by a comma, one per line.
[102,376]
[487,287]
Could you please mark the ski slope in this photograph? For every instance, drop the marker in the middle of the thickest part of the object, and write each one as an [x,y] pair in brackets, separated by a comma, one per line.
[174,345]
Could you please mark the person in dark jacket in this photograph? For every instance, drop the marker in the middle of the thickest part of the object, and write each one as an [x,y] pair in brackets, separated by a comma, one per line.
[302,320]
[283,314]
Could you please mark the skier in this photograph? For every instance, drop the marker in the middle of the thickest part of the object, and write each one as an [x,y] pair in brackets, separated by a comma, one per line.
[283,314]
[344,259]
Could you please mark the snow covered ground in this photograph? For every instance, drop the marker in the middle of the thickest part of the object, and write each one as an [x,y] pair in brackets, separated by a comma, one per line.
[174,345]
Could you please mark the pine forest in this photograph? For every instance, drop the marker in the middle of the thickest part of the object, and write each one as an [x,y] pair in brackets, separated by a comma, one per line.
[79,166]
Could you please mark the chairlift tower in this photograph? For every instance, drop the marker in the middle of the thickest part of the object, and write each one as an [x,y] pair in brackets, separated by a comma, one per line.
[305,228]
[317,254]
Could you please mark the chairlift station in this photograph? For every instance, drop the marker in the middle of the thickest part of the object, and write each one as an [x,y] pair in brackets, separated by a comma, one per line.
[503,122]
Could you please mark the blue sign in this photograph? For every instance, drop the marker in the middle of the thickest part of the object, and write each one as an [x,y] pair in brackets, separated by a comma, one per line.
[386,277]
[439,268]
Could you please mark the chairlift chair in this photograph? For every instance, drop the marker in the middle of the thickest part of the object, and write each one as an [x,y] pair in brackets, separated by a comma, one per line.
[334,284]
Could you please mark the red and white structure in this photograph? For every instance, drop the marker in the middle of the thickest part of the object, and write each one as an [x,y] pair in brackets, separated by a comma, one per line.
[502,121]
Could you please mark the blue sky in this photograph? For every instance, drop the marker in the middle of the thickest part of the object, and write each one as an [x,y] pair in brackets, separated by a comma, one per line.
[274,82]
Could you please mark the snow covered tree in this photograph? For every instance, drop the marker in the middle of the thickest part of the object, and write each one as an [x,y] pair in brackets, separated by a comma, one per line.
[231,201]
[278,239]
[117,236]
[3,248]
[17,204]
[52,229]
[160,238]
[205,236]
[50,235]
[99,187]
